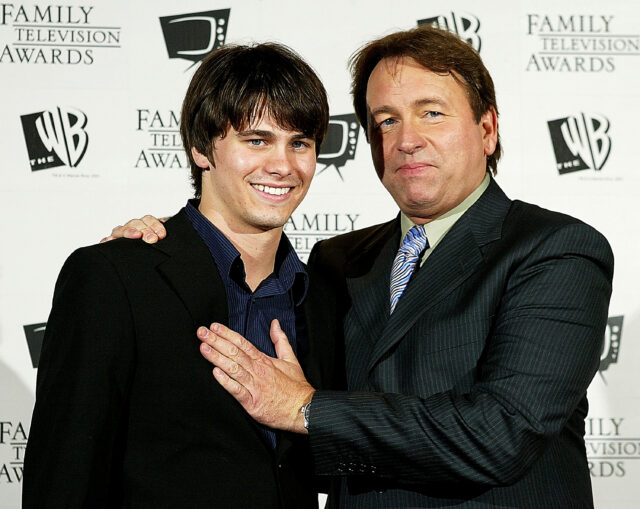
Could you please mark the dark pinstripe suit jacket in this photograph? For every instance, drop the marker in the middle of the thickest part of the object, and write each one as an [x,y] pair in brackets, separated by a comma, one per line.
[473,393]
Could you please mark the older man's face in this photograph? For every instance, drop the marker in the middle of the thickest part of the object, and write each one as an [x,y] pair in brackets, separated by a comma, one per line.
[427,148]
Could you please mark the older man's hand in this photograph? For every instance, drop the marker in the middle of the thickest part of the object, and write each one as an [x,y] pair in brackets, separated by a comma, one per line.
[148,228]
[271,390]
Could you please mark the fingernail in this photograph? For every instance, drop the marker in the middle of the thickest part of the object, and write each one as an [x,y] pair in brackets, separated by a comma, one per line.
[206,347]
[215,327]
[203,331]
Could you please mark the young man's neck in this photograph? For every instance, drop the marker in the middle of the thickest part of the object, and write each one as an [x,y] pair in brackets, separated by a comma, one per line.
[257,247]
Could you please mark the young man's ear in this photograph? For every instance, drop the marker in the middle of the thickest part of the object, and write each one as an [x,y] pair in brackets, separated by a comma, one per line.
[201,160]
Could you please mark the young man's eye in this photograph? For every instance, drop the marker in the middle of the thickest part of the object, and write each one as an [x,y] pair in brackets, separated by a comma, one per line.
[300,144]
[256,142]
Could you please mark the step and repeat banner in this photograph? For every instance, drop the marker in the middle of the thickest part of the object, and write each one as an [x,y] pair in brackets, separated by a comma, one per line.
[90,94]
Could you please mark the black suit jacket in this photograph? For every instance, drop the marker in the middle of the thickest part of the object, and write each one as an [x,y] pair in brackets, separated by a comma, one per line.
[127,411]
[473,393]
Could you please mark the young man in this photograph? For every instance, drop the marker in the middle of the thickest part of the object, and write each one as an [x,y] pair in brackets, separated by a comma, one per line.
[127,414]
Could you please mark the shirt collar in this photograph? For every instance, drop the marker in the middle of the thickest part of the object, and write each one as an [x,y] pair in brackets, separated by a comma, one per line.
[437,228]
[288,267]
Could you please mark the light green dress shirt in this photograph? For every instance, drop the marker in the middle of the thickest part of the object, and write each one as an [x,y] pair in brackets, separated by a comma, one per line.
[438,228]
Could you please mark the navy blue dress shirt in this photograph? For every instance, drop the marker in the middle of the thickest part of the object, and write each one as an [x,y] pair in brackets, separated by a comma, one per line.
[279,296]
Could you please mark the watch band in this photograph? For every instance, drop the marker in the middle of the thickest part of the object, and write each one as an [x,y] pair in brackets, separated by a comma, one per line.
[304,410]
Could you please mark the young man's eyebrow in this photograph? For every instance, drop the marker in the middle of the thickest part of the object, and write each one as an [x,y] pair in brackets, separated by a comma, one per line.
[302,136]
[270,135]
[255,132]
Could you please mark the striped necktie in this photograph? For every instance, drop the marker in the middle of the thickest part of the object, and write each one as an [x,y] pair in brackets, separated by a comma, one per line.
[414,243]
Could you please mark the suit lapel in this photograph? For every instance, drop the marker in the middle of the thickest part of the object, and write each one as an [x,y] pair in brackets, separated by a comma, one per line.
[458,255]
[192,273]
[368,280]
[454,259]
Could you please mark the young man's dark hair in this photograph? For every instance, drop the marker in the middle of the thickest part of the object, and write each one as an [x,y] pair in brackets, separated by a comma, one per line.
[231,89]
[437,50]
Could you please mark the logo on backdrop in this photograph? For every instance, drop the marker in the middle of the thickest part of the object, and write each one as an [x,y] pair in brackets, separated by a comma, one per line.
[462,23]
[13,439]
[577,43]
[580,142]
[305,229]
[35,334]
[163,146]
[194,35]
[611,345]
[608,447]
[55,138]
[53,34]
[339,146]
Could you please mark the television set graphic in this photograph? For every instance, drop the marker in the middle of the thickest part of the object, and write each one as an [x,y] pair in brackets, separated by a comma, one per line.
[340,143]
[193,36]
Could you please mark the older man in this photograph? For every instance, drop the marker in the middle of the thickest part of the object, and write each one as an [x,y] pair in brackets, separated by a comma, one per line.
[472,323]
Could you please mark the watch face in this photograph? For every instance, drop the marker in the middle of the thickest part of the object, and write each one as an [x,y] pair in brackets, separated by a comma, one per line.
[305,413]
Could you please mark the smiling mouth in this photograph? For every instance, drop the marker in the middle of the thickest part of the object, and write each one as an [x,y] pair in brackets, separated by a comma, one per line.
[276,191]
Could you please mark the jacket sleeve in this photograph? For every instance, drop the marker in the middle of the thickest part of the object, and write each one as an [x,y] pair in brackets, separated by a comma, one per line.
[540,356]
[76,441]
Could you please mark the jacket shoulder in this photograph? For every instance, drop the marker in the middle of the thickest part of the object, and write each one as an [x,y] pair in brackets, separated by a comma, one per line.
[354,241]
[538,220]
[547,230]
[180,234]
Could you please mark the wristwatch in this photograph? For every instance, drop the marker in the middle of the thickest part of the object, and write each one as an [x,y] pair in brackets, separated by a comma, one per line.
[305,414]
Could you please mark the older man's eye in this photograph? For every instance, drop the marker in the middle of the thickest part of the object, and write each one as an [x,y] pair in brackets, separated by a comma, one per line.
[387,122]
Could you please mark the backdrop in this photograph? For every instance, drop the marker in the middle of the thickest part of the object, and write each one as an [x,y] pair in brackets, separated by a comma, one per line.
[90,94]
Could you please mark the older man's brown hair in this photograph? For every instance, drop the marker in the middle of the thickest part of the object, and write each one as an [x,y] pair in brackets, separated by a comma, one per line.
[437,50]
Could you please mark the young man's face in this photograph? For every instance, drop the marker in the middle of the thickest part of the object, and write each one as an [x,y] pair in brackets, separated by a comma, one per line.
[261,175]
[427,148]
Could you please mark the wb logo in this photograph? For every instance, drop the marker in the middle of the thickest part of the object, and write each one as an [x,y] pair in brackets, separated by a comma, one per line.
[339,146]
[611,345]
[35,335]
[580,142]
[465,25]
[193,36]
[55,138]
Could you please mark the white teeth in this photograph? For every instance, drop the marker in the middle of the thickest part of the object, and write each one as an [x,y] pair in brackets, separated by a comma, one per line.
[272,190]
